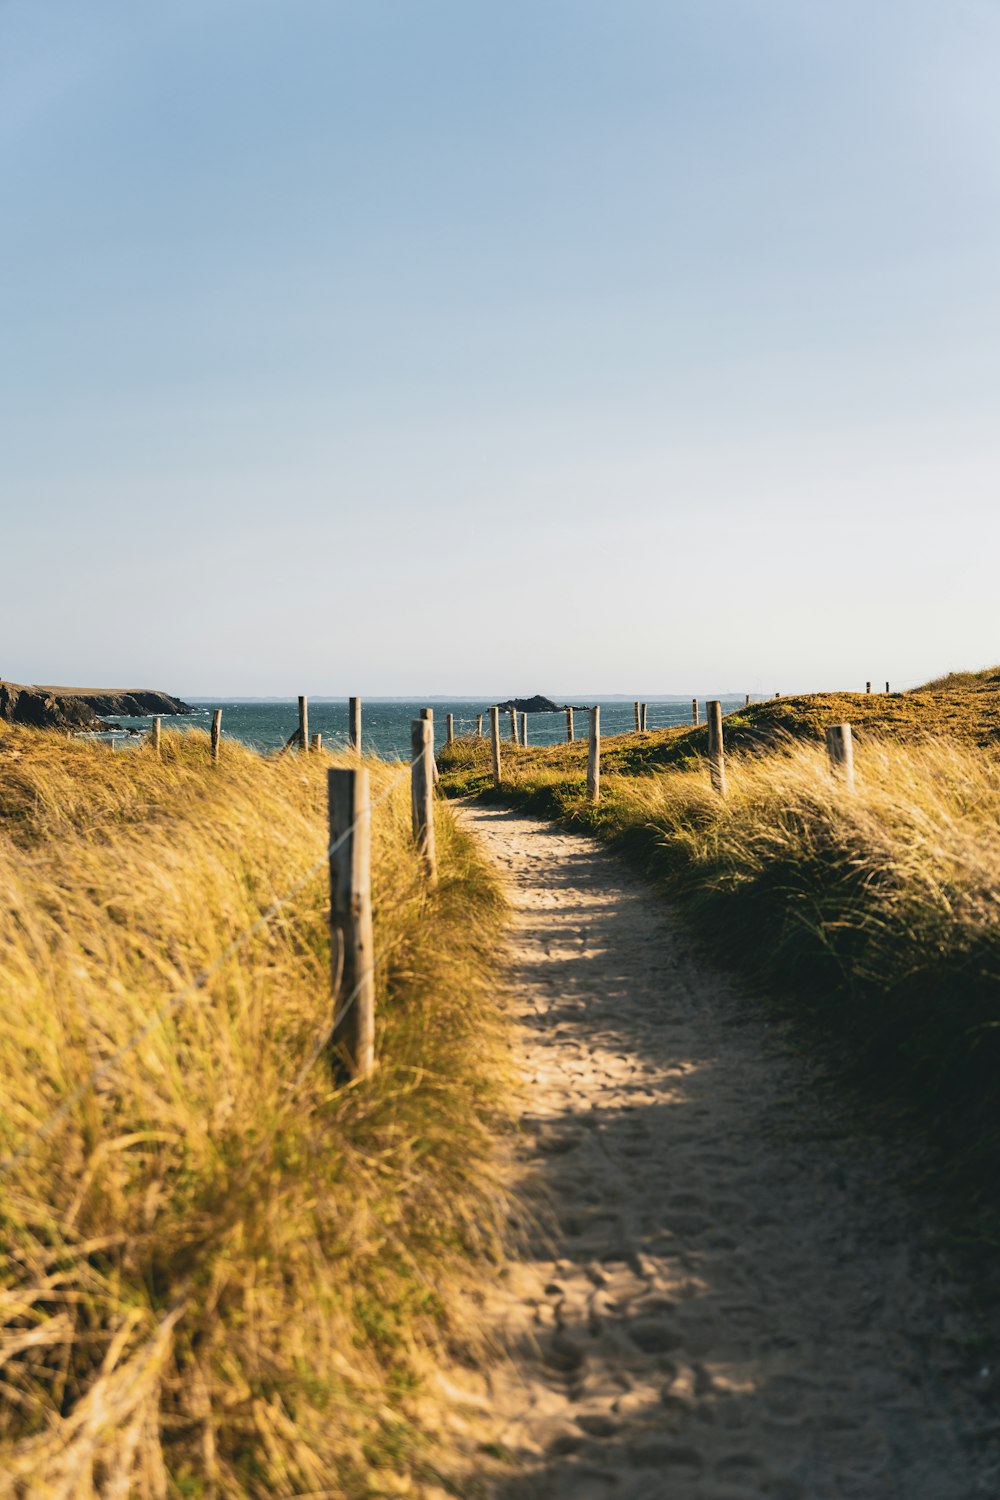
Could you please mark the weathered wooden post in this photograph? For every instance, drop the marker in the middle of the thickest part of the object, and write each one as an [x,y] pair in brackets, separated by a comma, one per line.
[216,732]
[513,726]
[840,748]
[746,701]
[694,710]
[716,754]
[638,716]
[594,755]
[428,714]
[317,742]
[354,724]
[351,945]
[449,724]
[569,726]
[868,687]
[495,743]
[154,736]
[524,729]
[479,726]
[887,687]
[422,785]
[642,726]
[303,723]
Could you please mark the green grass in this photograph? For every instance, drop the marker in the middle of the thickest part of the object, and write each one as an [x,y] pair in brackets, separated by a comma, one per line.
[226,1274]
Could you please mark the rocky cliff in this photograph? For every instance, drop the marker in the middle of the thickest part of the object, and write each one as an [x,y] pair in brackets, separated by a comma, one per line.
[80,708]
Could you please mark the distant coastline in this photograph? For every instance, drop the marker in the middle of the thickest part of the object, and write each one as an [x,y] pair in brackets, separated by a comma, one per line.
[81,708]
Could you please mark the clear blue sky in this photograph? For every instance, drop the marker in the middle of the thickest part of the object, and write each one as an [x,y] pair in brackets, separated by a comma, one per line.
[448,346]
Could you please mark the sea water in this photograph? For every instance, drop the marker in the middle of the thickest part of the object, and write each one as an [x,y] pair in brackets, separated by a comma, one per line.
[267,723]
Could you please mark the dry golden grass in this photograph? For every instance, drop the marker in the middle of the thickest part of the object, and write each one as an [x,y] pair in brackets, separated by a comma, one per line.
[985,680]
[874,913]
[952,712]
[224,1274]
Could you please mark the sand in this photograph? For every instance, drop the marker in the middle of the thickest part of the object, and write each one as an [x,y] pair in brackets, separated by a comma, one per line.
[730,1300]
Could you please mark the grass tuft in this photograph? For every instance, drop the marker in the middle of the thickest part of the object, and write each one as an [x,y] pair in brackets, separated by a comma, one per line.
[987,679]
[224,1274]
[874,915]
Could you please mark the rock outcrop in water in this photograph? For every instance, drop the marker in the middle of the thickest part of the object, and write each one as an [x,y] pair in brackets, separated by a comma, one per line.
[76,708]
[535,705]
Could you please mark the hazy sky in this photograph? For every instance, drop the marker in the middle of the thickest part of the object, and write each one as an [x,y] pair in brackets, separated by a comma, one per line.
[450,346]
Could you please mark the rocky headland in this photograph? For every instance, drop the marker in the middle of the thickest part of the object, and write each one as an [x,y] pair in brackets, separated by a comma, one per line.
[81,708]
[536,705]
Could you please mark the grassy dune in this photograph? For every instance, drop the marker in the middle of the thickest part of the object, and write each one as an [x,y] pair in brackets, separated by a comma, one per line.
[875,914]
[224,1274]
[986,680]
[964,715]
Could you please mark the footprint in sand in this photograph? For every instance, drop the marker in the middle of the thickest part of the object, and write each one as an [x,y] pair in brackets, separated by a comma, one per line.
[706,1307]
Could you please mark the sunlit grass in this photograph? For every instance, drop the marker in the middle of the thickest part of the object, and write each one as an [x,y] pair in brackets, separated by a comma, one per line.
[874,914]
[224,1274]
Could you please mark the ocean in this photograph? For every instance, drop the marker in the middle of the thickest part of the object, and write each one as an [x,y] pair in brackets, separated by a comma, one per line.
[266,723]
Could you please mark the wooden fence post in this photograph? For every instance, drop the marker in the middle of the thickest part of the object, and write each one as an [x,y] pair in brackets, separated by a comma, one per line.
[569,726]
[638,716]
[716,754]
[479,726]
[840,748]
[513,726]
[644,707]
[216,732]
[428,714]
[524,729]
[449,721]
[317,742]
[594,755]
[422,785]
[154,737]
[694,710]
[303,723]
[868,687]
[351,945]
[495,743]
[887,687]
[746,701]
[354,724]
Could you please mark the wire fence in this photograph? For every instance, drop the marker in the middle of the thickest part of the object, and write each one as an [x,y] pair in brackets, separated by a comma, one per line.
[386,724]
[549,727]
[547,734]
[238,944]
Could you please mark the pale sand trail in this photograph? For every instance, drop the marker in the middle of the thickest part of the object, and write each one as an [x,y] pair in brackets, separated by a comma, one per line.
[730,1305]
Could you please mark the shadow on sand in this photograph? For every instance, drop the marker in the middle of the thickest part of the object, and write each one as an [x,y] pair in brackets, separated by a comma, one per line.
[716,1297]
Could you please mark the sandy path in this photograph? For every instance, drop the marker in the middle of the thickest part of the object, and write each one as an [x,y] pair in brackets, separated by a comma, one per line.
[730,1305]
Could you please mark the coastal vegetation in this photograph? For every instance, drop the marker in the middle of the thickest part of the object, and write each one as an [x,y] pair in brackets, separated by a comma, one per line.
[225,1273]
[870,917]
